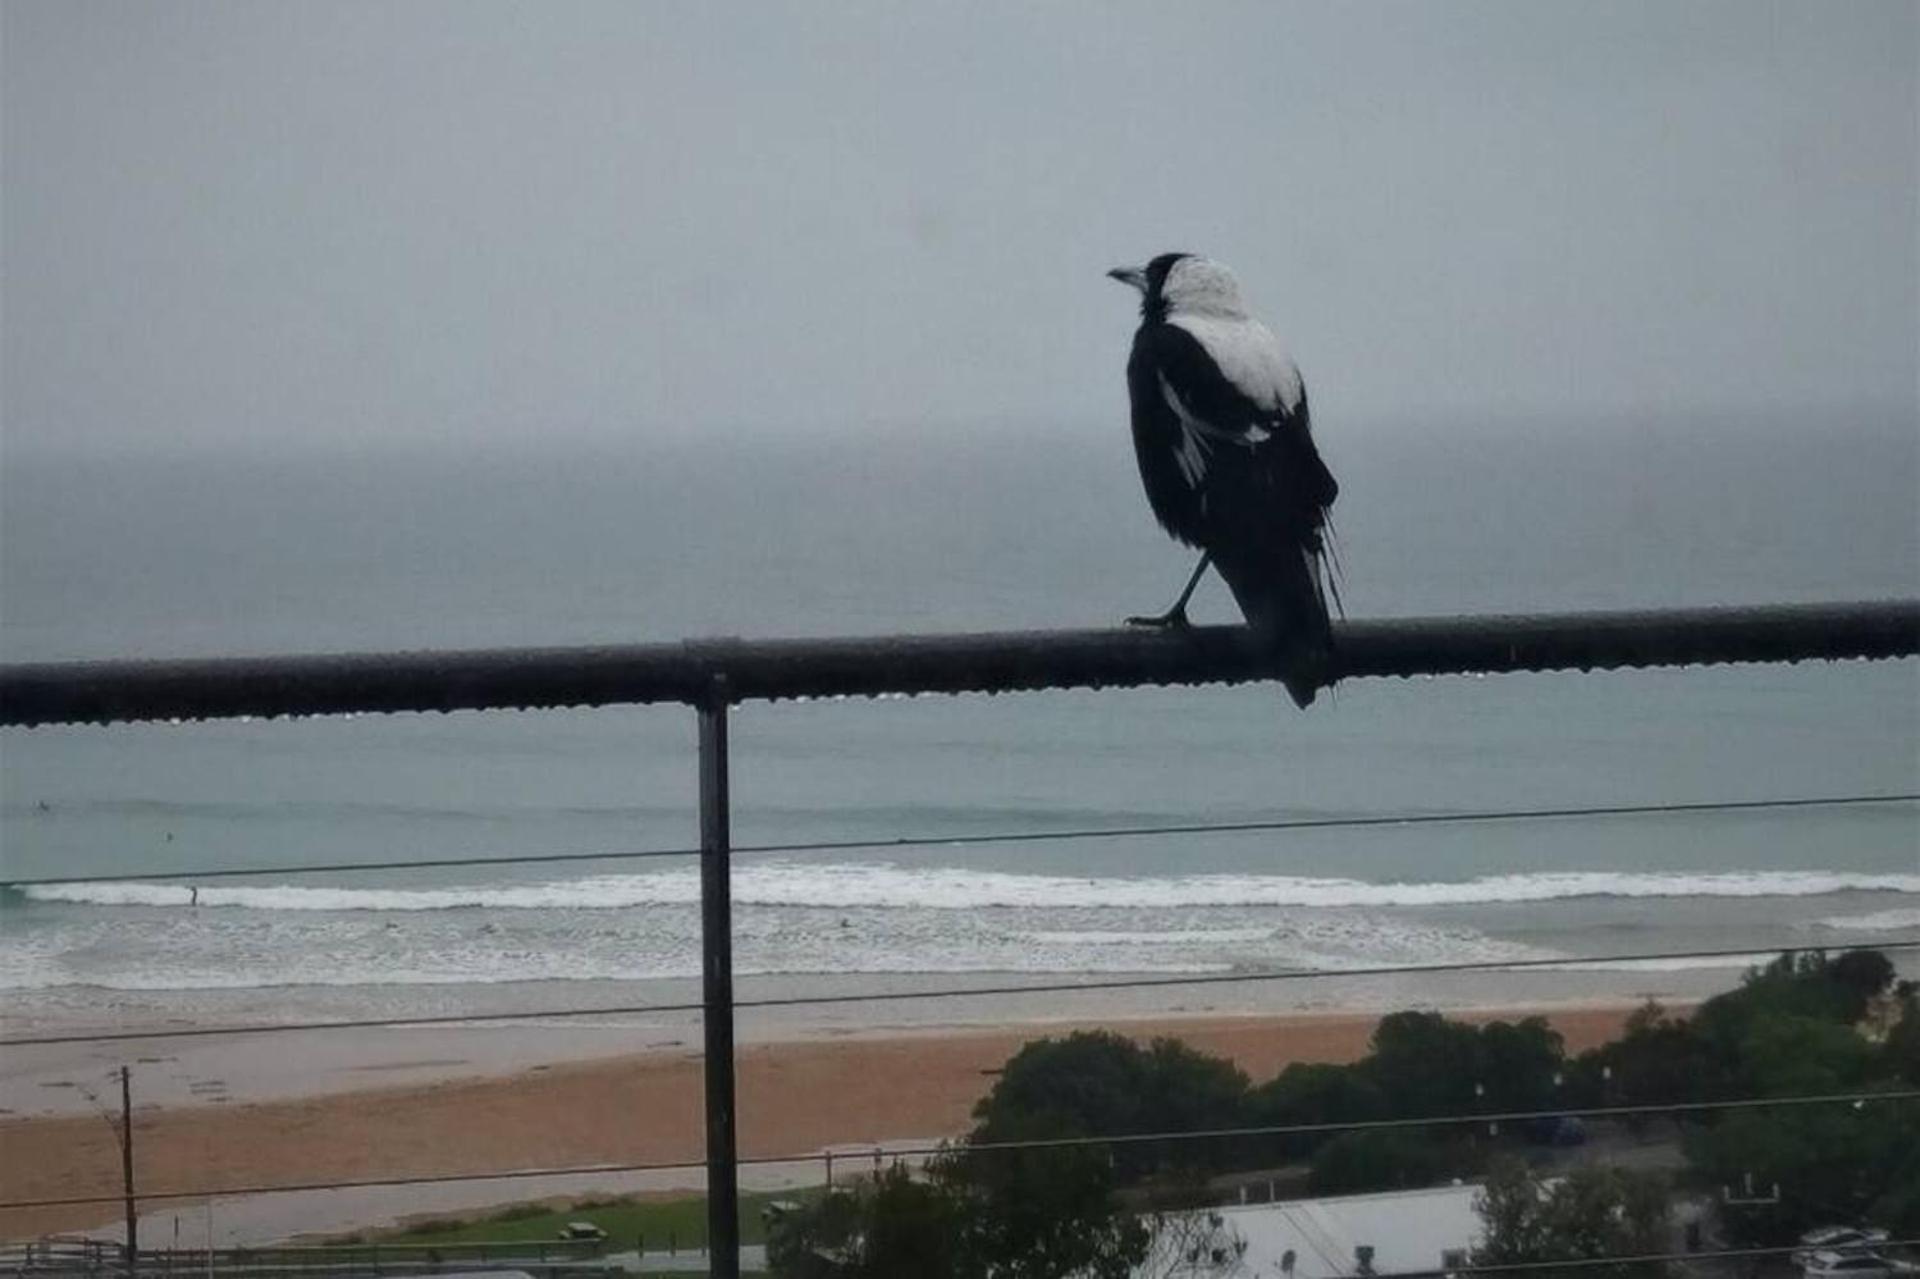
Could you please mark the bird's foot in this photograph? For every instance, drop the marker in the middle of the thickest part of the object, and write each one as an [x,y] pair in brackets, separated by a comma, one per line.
[1174,619]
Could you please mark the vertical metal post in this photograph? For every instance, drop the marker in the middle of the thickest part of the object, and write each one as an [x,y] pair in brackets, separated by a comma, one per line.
[716,946]
[126,1168]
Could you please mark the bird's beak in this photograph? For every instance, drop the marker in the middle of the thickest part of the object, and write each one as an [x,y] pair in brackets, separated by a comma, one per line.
[1136,276]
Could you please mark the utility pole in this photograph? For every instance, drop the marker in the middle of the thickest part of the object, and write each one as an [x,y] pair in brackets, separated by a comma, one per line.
[126,1167]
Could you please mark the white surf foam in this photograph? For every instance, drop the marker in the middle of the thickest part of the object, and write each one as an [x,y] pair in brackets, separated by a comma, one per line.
[1752,960]
[1175,937]
[1874,922]
[882,885]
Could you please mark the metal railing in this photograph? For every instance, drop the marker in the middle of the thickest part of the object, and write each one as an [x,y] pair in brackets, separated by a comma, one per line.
[713,675]
[704,672]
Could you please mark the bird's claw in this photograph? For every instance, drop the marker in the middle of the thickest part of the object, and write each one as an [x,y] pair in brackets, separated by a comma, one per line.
[1174,619]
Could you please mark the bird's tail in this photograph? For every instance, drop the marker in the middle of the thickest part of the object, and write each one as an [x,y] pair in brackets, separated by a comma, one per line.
[1284,596]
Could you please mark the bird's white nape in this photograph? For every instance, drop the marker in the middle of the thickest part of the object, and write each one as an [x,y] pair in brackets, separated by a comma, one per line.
[1201,286]
[1250,357]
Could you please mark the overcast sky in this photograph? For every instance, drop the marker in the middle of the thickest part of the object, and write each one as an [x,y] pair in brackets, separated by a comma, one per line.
[290,224]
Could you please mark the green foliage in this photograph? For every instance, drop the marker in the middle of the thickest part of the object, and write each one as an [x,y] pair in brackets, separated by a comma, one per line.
[914,1228]
[891,1226]
[1590,1212]
[1808,985]
[1658,1059]
[1041,1214]
[1090,1081]
[1520,1064]
[1312,1093]
[1098,1084]
[1424,1064]
[1031,1214]
[1378,1159]
[1045,1214]
[1862,975]
[1831,1163]
[1789,1030]
[1898,1207]
[1785,1055]
[1189,1091]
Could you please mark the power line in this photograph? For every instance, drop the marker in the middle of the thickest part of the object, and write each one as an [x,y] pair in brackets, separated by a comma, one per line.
[1423,1121]
[1044,1143]
[1008,837]
[375,1183]
[1035,988]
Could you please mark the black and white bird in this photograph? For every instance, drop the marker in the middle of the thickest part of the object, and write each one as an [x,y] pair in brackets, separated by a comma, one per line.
[1221,430]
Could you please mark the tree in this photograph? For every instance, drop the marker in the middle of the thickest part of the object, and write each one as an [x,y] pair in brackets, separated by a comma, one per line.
[1043,1213]
[1807,984]
[1792,1030]
[1592,1212]
[1193,1245]
[1786,1056]
[1028,1214]
[1313,1093]
[1378,1159]
[1658,1059]
[1190,1091]
[1099,1084]
[1898,1207]
[913,1227]
[1830,1163]
[892,1225]
[818,1240]
[1862,976]
[1089,1083]
[1521,1064]
[1424,1064]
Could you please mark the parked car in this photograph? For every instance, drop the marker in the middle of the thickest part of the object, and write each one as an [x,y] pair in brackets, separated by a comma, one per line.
[1828,1263]
[582,1232]
[1842,1239]
[1557,1130]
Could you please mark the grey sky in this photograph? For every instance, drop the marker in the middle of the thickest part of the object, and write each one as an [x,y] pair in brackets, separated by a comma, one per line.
[297,223]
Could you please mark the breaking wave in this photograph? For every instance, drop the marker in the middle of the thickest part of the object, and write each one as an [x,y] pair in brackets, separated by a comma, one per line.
[883,886]
[1879,921]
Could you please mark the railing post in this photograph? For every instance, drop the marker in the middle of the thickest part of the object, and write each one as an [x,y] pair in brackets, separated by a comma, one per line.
[716,947]
[126,1169]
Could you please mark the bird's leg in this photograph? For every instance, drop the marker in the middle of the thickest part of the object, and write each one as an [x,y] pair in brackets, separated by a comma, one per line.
[1176,617]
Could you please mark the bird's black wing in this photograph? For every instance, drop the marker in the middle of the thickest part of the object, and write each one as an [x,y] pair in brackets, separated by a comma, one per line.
[1254,463]
[1159,440]
[1256,490]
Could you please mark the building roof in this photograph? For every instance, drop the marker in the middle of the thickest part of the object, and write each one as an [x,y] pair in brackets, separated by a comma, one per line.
[1407,1229]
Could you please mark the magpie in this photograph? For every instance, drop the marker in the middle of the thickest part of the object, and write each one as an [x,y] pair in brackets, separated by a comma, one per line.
[1221,432]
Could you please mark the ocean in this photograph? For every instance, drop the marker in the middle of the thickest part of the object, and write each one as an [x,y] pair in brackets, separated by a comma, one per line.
[973,529]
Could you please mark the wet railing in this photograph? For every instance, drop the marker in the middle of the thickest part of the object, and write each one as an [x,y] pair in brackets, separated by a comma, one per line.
[712,675]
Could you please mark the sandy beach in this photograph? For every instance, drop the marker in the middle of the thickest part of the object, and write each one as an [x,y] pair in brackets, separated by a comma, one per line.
[797,1097]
